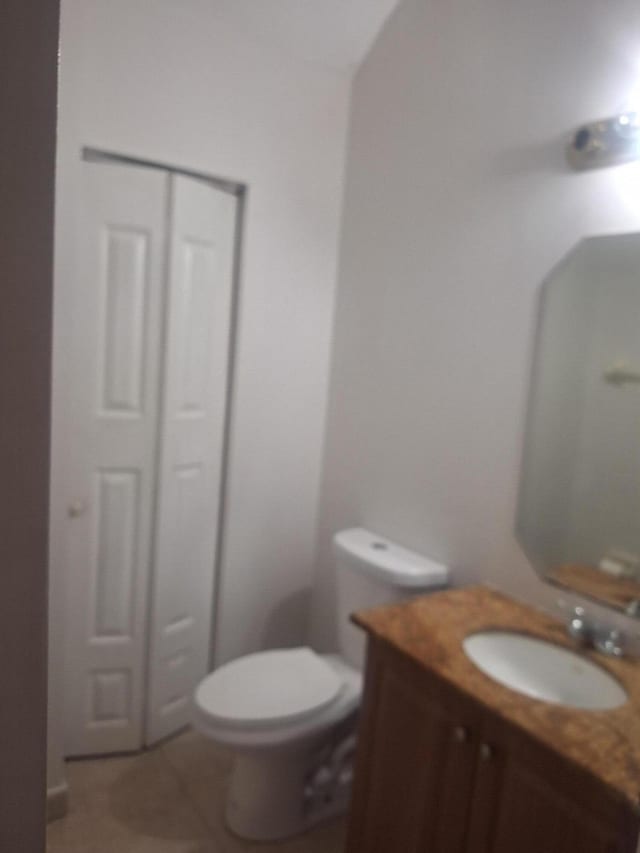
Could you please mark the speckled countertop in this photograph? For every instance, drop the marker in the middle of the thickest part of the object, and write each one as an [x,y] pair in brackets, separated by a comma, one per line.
[430,630]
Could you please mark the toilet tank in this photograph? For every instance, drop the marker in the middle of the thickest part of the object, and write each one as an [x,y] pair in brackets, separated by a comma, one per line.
[372,571]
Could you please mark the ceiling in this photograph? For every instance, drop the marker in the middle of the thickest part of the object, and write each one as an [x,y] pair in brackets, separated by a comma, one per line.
[334,33]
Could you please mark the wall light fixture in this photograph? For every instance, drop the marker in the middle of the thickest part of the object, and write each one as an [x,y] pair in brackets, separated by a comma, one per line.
[606,142]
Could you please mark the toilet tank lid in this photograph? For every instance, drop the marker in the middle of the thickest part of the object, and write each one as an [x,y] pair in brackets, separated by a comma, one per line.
[379,557]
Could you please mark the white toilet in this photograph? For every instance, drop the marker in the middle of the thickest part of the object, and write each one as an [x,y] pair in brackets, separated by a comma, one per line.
[289,715]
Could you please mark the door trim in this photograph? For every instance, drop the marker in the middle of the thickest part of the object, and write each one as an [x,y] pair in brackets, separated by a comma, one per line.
[99,155]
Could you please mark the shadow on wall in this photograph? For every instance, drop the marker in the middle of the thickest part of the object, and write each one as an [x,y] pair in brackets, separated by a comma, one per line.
[545,158]
[288,624]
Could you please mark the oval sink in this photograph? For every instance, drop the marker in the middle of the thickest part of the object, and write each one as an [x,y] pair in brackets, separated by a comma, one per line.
[543,670]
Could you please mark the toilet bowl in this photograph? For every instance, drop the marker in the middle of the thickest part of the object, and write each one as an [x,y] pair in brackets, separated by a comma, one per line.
[289,715]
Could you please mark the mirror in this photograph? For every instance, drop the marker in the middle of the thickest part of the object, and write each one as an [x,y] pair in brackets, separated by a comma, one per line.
[578,516]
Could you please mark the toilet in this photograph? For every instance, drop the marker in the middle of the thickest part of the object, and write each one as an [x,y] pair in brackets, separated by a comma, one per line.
[289,715]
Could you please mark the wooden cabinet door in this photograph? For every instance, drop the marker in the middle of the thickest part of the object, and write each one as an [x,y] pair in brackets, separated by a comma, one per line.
[436,773]
[528,800]
[535,816]
[414,770]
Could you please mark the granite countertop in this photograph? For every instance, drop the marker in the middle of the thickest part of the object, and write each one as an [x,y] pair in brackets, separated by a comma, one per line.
[430,630]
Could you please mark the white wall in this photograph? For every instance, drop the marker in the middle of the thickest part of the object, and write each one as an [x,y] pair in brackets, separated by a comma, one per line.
[172,82]
[458,202]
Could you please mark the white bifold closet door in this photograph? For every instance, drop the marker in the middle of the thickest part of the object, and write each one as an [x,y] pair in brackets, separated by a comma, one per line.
[149,348]
[200,271]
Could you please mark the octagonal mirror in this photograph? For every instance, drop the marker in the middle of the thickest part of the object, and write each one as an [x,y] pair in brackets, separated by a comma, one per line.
[578,516]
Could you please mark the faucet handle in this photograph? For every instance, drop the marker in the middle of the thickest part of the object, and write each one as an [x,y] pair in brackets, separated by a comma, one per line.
[569,609]
[579,627]
[588,631]
[609,641]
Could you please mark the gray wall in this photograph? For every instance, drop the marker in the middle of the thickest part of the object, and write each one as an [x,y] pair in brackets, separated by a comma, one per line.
[458,203]
[28,55]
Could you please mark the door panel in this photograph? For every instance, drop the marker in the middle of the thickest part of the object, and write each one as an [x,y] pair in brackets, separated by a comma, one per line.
[122,332]
[202,228]
[117,510]
[113,404]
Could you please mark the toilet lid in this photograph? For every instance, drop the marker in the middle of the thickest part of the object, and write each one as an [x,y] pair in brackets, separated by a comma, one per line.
[268,687]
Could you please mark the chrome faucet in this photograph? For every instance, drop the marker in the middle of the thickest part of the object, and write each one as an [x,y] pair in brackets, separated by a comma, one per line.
[609,641]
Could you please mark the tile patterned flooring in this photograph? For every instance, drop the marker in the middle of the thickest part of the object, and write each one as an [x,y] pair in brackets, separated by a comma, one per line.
[167,800]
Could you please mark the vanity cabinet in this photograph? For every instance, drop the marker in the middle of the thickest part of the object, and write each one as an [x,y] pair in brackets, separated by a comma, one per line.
[436,772]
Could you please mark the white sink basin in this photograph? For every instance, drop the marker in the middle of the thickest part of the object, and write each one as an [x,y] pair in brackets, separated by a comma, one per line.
[544,671]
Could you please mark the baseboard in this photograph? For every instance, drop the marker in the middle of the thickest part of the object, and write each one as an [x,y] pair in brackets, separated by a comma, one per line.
[57,801]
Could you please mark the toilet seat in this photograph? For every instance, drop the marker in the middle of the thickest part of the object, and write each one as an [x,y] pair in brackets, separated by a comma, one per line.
[268,688]
[285,729]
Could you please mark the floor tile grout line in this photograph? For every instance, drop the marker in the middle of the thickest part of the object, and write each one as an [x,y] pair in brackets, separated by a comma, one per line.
[203,836]
[210,833]
[184,789]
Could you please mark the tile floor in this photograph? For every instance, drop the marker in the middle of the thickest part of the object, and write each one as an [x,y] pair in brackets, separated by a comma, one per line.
[167,800]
